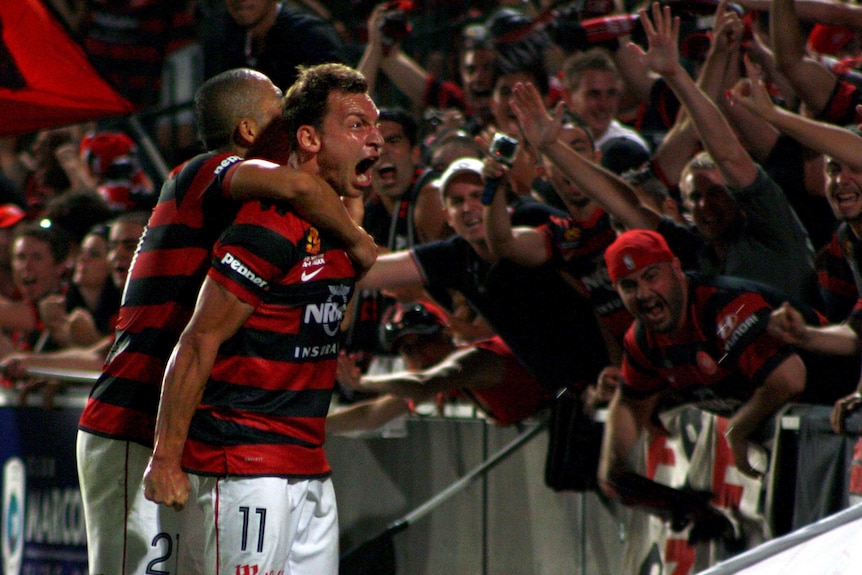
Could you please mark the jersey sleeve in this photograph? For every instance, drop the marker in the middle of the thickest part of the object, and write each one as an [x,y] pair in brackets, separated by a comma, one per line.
[555,235]
[224,174]
[742,339]
[251,256]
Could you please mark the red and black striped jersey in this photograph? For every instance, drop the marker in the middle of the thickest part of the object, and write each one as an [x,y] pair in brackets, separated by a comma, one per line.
[264,407]
[127,43]
[166,274]
[717,358]
[835,277]
[578,248]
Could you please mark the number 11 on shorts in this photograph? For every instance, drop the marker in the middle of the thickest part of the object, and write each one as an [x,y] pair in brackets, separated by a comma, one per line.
[247,520]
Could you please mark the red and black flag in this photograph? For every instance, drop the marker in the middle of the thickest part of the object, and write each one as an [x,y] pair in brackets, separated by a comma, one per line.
[45,77]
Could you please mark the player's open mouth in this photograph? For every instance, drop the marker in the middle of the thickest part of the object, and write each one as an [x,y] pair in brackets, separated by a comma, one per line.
[363,172]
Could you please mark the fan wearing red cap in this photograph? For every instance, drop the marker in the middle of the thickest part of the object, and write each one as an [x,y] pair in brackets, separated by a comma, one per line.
[696,339]
[649,279]
[634,250]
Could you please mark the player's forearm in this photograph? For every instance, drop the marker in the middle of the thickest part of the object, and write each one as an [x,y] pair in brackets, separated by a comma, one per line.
[310,195]
[316,201]
[182,391]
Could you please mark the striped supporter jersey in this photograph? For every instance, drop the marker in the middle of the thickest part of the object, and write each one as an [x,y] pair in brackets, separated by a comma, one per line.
[721,353]
[173,257]
[264,408]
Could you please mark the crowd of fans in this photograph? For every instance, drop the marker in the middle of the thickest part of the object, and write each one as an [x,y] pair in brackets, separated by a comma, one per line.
[727,128]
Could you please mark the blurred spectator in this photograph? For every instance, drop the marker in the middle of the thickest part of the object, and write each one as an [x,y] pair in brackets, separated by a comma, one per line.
[451,145]
[826,76]
[842,147]
[732,200]
[76,213]
[517,66]
[123,231]
[51,167]
[578,176]
[10,216]
[182,75]
[112,158]
[39,265]
[87,311]
[476,68]
[272,37]
[397,183]
[389,211]
[620,154]
[574,245]
[653,193]
[790,163]
[148,51]
[593,87]
[824,92]
[127,42]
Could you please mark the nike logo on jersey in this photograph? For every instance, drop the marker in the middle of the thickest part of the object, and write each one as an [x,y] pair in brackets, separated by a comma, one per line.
[309,275]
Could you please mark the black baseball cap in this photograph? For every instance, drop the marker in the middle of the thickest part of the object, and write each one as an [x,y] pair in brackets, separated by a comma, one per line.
[418,317]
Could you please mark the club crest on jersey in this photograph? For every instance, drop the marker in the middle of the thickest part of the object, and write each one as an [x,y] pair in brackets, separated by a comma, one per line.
[726,325]
[572,234]
[312,241]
